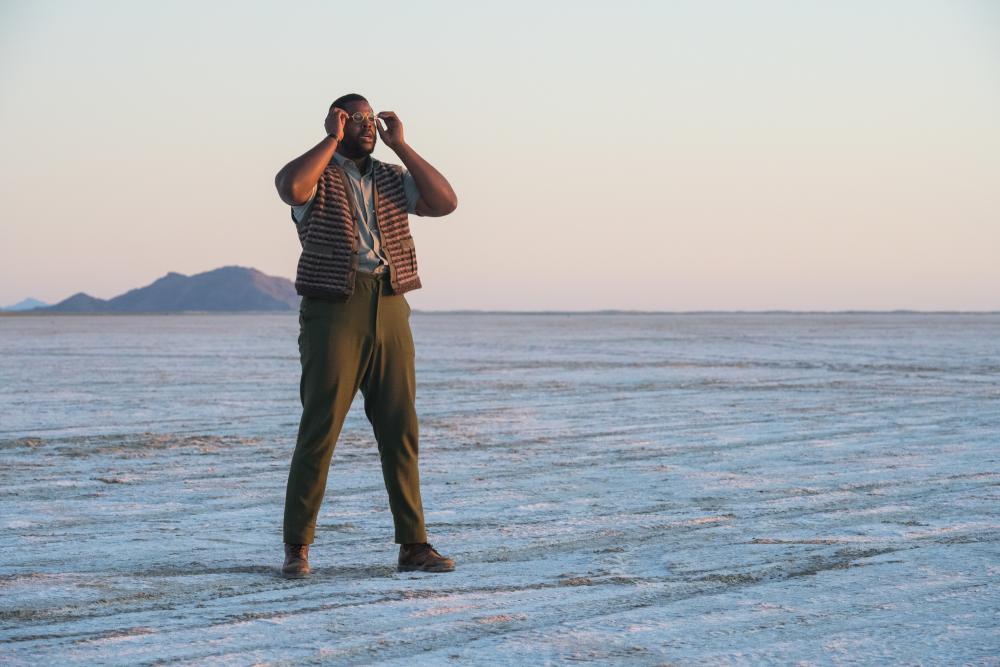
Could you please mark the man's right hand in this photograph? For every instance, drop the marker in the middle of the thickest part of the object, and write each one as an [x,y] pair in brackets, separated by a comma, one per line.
[296,180]
[335,122]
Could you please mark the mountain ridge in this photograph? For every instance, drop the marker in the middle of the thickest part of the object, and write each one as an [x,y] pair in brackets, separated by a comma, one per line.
[226,289]
[24,304]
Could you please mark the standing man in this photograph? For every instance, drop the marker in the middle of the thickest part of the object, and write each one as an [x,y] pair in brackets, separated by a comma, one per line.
[358,258]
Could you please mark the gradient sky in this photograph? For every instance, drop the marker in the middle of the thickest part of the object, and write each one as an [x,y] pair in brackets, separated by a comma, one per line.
[633,155]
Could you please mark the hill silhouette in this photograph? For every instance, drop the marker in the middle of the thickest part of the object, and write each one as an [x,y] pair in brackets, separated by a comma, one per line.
[227,289]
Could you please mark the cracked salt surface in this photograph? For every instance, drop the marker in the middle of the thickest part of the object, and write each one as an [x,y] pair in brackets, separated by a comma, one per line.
[627,489]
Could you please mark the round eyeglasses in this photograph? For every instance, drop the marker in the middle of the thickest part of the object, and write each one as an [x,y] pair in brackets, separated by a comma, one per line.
[363,117]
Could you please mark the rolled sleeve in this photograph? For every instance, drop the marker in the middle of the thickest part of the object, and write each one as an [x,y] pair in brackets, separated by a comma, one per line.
[412,194]
[299,212]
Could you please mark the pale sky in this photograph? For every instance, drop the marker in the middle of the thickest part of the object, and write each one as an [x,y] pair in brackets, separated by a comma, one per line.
[606,155]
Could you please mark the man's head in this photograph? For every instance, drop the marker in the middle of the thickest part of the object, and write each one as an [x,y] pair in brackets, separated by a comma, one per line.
[359,137]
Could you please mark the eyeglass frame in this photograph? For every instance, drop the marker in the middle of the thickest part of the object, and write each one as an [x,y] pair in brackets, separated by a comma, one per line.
[365,116]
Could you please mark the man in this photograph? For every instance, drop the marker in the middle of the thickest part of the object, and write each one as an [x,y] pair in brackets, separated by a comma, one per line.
[358,258]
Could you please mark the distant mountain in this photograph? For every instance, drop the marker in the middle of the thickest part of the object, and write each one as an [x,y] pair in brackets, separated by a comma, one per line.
[231,288]
[78,303]
[25,304]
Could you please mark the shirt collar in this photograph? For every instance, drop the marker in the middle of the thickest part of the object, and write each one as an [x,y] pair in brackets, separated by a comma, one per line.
[350,166]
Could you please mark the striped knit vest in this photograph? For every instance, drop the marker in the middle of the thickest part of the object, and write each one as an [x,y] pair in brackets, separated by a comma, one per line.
[329,235]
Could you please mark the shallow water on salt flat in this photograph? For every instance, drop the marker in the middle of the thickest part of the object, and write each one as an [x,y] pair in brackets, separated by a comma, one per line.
[616,488]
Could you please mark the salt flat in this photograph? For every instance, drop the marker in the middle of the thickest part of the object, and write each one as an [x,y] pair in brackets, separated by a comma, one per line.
[616,489]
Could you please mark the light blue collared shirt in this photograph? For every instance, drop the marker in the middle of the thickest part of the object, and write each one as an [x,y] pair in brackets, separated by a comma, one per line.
[371,259]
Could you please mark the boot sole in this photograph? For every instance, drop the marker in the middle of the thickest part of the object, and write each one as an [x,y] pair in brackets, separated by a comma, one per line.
[295,575]
[417,568]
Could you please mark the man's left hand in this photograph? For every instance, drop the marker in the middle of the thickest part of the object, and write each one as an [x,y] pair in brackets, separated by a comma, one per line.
[392,133]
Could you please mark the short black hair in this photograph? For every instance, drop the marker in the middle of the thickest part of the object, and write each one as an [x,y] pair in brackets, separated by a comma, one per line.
[349,97]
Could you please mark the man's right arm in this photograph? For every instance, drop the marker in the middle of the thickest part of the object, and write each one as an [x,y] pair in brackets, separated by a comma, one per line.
[296,180]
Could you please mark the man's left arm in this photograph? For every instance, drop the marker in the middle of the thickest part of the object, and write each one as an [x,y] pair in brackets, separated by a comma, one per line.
[436,195]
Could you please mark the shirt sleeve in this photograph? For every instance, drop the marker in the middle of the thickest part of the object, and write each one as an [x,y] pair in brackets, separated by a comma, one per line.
[412,194]
[300,211]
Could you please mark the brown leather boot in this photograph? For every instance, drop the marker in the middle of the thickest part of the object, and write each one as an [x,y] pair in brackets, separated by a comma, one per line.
[423,557]
[296,561]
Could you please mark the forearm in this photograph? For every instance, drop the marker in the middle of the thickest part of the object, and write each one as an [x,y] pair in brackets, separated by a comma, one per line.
[296,179]
[436,193]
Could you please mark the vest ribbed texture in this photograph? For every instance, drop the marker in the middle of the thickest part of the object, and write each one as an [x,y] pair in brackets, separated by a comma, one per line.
[328,234]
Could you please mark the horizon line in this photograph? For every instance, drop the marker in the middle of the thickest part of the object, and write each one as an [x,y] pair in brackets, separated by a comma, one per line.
[36,312]
[630,311]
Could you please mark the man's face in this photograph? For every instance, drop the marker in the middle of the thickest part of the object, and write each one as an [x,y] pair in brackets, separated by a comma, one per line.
[359,138]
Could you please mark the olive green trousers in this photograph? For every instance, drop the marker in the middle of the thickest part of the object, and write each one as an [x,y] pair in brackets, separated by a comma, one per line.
[363,343]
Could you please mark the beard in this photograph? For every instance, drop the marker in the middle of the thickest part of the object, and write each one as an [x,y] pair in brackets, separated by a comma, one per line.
[354,148]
